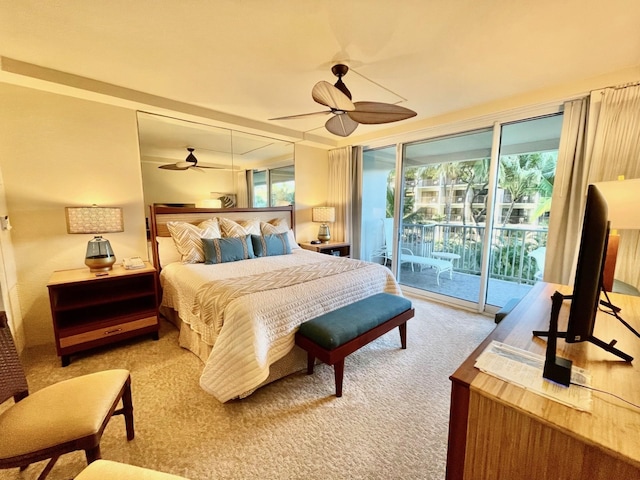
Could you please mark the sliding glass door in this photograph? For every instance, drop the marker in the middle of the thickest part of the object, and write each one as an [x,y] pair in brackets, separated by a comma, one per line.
[466,219]
[444,199]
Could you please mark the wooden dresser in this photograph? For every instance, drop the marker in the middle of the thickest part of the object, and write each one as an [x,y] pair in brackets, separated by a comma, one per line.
[498,430]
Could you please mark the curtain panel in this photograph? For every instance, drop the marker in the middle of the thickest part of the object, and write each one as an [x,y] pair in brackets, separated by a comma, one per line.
[340,192]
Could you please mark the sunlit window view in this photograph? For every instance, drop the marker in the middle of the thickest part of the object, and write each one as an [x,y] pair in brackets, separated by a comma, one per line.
[273,187]
[446,204]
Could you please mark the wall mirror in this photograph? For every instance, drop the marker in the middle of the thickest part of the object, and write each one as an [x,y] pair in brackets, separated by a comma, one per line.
[226,168]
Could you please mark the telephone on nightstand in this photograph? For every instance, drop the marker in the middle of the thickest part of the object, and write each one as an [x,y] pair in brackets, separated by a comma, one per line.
[132,263]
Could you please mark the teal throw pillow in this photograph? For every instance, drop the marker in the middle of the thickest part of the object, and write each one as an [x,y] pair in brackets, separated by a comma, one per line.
[269,245]
[231,249]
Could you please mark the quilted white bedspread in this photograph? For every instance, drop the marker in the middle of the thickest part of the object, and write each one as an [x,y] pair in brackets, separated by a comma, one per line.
[254,326]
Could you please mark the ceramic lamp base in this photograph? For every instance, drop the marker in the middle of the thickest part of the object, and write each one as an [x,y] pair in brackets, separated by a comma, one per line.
[323,234]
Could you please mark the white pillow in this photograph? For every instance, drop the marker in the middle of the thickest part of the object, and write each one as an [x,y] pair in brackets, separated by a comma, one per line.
[188,238]
[167,251]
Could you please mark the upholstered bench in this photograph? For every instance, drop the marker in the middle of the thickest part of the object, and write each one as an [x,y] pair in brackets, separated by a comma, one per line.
[106,469]
[335,335]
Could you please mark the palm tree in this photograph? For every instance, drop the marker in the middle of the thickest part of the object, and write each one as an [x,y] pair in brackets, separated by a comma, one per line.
[519,175]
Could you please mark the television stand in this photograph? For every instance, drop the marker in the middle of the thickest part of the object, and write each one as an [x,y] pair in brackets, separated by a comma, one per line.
[609,347]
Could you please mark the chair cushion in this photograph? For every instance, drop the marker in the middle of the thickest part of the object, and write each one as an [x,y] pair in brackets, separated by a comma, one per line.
[60,413]
[106,469]
[346,323]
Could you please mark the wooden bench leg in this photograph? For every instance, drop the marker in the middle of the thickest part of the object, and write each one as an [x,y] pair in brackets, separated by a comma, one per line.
[338,372]
[311,361]
[403,335]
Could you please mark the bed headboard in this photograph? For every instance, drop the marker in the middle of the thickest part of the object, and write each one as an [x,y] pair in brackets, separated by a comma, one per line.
[159,216]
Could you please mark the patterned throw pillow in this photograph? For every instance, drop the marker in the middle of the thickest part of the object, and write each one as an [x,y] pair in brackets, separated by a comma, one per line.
[277,225]
[269,245]
[188,238]
[222,250]
[229,228]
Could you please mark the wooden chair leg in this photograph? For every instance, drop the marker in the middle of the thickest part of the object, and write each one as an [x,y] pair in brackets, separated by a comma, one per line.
[93,454]
[338,372]
[403,335]
[127,410]
[48,467]
[311,361]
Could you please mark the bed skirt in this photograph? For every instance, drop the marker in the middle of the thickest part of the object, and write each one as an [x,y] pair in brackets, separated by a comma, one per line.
[295,361]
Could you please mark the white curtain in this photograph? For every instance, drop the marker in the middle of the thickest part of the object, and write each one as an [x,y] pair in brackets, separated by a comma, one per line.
[339,196]
[615,153]
[243,193]
[568,199]
[602,148]
[356,199]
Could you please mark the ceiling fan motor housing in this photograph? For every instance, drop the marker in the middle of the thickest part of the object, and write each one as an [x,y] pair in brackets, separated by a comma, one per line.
[339,71]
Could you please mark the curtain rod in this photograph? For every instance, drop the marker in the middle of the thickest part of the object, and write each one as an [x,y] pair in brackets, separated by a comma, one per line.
[624,85]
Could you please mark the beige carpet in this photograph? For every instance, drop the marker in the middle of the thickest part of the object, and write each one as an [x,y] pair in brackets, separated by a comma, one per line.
[391,422]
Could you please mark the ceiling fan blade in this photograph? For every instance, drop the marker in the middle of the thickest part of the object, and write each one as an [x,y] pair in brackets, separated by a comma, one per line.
[326,94]
[197,169]
[341,125]
[302,115]
[172,166]
[204,165]
[376,112]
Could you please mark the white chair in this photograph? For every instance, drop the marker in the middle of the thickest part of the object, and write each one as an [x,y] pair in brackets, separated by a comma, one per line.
[539,255]
[407,255]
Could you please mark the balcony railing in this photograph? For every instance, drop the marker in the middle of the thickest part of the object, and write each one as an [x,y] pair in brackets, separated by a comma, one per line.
[510,248]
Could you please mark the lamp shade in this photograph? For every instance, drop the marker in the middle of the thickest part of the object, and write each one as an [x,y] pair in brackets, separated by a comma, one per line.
[323,214]
[623,203]
[94,219]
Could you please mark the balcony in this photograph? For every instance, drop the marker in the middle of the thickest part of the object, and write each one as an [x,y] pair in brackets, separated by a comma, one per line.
[513,270]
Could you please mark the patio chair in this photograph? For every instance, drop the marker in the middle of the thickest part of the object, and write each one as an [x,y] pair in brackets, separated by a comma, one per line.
[407,255]
[61,418]
[539,255]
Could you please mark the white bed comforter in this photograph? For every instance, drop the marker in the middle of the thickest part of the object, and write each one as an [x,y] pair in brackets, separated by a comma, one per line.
[251,326]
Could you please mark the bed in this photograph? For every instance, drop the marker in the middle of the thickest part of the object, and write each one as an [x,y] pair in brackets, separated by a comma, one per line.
[239,300]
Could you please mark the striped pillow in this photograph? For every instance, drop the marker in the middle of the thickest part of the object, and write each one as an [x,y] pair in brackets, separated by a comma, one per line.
[241,228]
[188,238]
[278,225]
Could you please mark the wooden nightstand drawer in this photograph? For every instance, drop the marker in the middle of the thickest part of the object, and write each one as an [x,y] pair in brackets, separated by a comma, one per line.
[99,334]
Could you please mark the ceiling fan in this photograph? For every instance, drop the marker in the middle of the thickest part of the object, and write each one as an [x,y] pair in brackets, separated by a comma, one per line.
[191,162]
[347,115]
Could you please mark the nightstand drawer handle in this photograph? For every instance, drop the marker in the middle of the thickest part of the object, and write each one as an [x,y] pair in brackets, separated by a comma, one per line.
[109,332]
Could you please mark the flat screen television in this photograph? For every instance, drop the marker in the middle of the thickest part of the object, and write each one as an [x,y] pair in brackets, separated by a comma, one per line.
[587,287]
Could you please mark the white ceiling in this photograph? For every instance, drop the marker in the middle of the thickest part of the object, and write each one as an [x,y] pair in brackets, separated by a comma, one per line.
[259,59]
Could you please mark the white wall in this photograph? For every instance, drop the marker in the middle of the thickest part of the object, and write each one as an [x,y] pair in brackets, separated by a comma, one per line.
[312,176]
[57,151]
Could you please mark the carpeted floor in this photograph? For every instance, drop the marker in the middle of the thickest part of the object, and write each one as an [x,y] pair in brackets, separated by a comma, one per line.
[391,422]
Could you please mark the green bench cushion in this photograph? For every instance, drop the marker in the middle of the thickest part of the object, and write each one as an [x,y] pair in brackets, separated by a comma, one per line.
[346,323]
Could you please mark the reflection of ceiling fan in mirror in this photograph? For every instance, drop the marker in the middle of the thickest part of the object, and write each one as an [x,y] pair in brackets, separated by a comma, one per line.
[189,163]
[347,114]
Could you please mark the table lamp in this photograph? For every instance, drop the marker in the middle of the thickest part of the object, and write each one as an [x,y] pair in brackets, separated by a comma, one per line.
[94,219]
[623,200]
[323,215]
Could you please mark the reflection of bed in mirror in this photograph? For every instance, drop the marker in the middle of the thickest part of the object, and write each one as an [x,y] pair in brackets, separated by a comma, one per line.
[240,317]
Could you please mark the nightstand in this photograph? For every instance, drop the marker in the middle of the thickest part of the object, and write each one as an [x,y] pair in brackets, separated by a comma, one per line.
[339,249]
[91,310]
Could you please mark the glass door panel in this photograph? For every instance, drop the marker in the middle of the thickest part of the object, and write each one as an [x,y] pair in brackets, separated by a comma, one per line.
[378,166]
[526,171]
[444,203]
